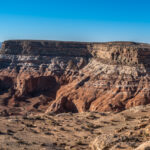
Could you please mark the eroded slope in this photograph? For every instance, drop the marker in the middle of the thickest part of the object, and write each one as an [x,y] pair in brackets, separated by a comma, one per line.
[72,76]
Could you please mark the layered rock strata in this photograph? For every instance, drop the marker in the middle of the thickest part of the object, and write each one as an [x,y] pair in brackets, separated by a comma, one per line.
[55,76]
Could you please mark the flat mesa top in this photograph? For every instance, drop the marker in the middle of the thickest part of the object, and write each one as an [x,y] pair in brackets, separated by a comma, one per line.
[111,42]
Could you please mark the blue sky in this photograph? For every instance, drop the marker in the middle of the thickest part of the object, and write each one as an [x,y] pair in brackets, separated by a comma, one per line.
[75,20]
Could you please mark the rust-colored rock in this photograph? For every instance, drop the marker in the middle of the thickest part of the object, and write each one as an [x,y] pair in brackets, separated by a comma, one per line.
[55,76]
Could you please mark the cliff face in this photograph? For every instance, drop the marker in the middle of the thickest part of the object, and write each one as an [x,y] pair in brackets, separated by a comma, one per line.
[73,76]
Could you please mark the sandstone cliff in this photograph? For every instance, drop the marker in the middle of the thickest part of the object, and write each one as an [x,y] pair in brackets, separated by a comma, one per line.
[73,76]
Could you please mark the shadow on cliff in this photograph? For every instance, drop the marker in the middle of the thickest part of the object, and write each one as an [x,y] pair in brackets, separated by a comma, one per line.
[43,85]
[63,105]
[6,83]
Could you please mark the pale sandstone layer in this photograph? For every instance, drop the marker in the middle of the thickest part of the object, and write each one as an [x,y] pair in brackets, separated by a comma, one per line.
[56,76]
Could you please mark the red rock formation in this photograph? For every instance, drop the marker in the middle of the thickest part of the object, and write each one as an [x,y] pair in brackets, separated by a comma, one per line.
[73,76]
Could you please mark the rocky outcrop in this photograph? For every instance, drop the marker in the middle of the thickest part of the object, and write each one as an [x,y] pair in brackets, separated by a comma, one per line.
[109,142]
[46,48]
[73,76]
[144,146]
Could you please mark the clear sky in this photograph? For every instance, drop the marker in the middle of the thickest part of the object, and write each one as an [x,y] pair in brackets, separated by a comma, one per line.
[75,20]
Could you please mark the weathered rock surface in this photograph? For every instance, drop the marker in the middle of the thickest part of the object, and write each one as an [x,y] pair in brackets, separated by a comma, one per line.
[73,76]
[144,146]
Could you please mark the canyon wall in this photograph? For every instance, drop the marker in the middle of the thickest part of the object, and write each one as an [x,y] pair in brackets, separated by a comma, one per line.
[55,76]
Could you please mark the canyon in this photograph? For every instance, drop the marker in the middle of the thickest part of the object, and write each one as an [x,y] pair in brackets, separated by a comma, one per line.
[57,95]
[55,76]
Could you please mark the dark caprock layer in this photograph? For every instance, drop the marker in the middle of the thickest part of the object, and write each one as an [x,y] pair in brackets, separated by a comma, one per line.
[118,53]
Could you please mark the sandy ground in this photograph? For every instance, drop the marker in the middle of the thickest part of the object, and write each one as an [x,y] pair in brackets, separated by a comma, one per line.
[74,131]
